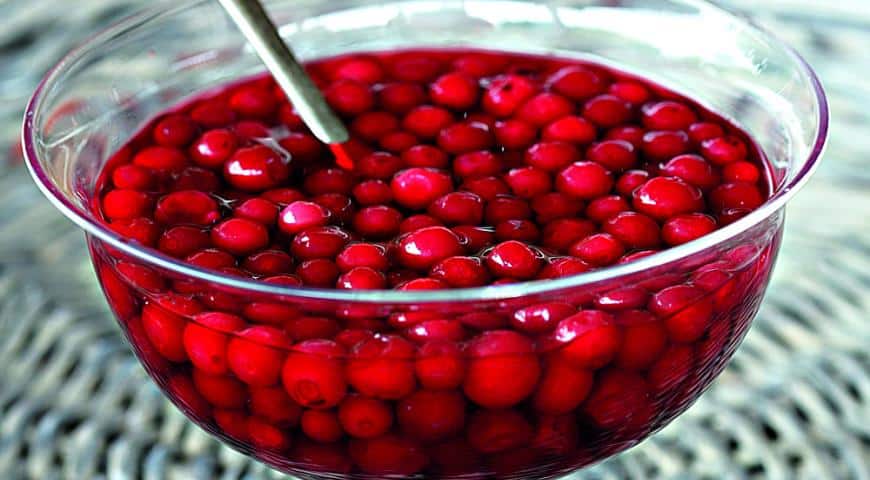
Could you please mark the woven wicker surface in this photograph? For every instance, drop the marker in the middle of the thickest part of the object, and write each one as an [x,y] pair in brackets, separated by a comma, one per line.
[794,403]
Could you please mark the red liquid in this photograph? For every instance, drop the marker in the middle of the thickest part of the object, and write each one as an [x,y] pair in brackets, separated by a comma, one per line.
[471,169]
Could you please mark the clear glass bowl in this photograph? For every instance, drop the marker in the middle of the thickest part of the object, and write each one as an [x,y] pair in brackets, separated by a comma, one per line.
[101,94]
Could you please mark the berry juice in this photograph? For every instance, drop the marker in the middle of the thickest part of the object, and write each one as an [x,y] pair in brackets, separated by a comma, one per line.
[472,169]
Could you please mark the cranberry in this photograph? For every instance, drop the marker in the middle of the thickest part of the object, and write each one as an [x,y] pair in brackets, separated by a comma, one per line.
[584,180]
[422,284]
[426,247]
[661,145]
[513,259]
[561,233]
[506,94]
[455,90]
[313,374]
[515,134]
[256,356]
[545,108]
[140,230]
[480,64]
[634,230]
[269,262]
[182,241]
[388,455]
[562,388]
[425,156]
[362,278]
[372,192]
[349,97]
[589,339]
[467,137]
[250,101]
[417,67]
[491,431]
[577,83]
[477,164]
[318,272]
[377,222]
[724,150]
[502,370]
[220,391]
[427,121]
[522,230]
[614,155]
[644,339]
[633,92]
[416,188]
[570,129]
[528,182]
[301,215]
[363,417]
[541,318]
[607,111]
[474,238]
[308,327]
[240,236]
[440,365]
[701,131]
[212,113]
[167,159]
[741,171]
[188,206]
[255,169]
[552,156]
[630,180]
[686,311]
[258,210]
[668,115]
[132,177]
[360,69]
[400,98]
[736,196]
[319,242]
[505,207]
[398,142]
[382,367]
[126,204]
[165,332]
[302,147]
[692,169]
[554,205]
[174,131]
[604,208]
[431,416]
[321,426]
[666,197]
[329,180]
[458,208]
[620,401]
[461,272]
[416,222]
[628,133]
[685,228]
[599,250]
[362,255]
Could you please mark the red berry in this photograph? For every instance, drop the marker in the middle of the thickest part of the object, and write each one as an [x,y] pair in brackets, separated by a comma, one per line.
[599,250]
[259,210]
[545,108]
[724,150]
[362,255]
[528,182]
[584,180]
[458,208]
[661,145]
[319,242]
[570,129]
[513,259]
[502,370]
[541,318]
[603,209]
[174,131]
[614,155]
[182,241]
[425,156]
[165,331]
[431,416]
[467,137]
[256,356]
[426,247]
[561,233]
[630,180]
[250,101]
[685,228]
[372,192]
[363,417]
[132,177]
[240,236]
[461,272]
[552,156]
[491,431]
[255,169]
[455,90]
[686,311]
[360,69]
[206,340]
[416,222]
[607,111]
[692,169]
[506,94]
[377,222]
[515,134]
[321,426]
[301,215]
[668,115]
[634,230]
[415,188]
[427,121]
[666,197]
[400,98]
[168,159]
[362,278]
[440,365]
[382,367]
[701,131]
[562,388]
[388,455]
[188,206]
[634,92]
[126,204]
[554,205]
[313,374]
[589,339]
[349,97]
[577,82]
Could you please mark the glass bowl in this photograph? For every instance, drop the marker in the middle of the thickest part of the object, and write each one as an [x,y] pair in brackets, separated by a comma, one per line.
[656,332]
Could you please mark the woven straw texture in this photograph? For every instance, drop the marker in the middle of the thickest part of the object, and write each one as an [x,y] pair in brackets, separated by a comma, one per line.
[794,403]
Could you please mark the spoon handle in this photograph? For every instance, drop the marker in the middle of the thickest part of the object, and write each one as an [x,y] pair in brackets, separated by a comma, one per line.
[261,33]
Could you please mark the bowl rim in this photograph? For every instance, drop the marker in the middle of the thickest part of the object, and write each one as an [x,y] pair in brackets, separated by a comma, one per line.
[84,220]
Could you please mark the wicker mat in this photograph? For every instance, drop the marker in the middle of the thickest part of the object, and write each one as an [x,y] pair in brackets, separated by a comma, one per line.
[794,403]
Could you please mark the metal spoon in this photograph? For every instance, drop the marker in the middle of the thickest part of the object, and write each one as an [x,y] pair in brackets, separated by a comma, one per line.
[258,29]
